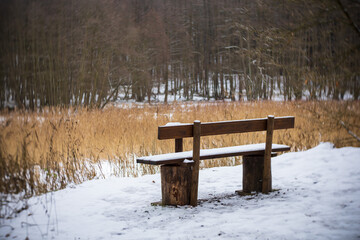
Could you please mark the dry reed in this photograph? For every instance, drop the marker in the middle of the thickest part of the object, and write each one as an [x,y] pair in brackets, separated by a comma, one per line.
[45,151]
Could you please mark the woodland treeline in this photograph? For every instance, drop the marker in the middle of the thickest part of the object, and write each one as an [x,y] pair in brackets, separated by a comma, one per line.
[92,52]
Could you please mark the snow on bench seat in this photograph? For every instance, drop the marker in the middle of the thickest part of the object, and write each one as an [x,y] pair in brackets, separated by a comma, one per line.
[178,157]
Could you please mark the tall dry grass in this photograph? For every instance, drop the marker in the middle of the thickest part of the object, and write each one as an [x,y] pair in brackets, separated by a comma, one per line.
[45,151]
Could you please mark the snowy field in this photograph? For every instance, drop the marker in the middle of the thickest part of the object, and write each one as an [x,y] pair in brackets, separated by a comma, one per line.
[319,198]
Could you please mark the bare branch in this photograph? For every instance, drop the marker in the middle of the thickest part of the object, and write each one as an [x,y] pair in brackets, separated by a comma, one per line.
[349,131]
[346,12]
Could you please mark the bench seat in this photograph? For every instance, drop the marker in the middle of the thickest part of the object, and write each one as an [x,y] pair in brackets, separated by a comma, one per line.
[178,157]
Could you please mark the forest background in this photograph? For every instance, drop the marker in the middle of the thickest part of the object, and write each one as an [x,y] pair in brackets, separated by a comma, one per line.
[90,53]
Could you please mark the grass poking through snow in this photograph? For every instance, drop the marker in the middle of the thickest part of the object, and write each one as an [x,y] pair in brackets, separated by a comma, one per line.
[45,151]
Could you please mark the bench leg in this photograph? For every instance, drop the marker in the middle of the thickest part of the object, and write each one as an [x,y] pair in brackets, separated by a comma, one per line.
[176,184]
[253,168]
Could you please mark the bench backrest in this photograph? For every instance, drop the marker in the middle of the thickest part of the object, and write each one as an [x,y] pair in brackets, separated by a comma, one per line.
[225,127]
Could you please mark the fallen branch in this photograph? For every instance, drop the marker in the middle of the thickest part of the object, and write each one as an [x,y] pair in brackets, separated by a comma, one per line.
[349,131]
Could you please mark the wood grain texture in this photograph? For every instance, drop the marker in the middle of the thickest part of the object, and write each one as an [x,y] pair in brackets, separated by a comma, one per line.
[196,159]
[253,169]
[175,184]
[226,127]
[266,184]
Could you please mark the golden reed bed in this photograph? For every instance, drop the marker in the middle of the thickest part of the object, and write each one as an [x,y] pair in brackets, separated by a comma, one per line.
[44,151]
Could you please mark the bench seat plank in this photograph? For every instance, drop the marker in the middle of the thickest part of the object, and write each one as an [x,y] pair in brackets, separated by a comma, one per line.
[178,157]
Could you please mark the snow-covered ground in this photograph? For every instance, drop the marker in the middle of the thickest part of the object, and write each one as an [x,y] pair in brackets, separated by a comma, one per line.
[319,198]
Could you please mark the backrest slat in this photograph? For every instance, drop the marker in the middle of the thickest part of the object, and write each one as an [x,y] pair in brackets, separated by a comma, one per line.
[225,127]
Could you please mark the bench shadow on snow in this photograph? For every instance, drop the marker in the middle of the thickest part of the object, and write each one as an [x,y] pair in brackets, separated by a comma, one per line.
[228,199]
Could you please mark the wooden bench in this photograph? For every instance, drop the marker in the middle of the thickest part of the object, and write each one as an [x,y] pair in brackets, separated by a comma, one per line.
[180,170]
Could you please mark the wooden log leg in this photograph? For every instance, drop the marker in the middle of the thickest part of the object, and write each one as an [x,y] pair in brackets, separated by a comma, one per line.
[253,168]
[176,184]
